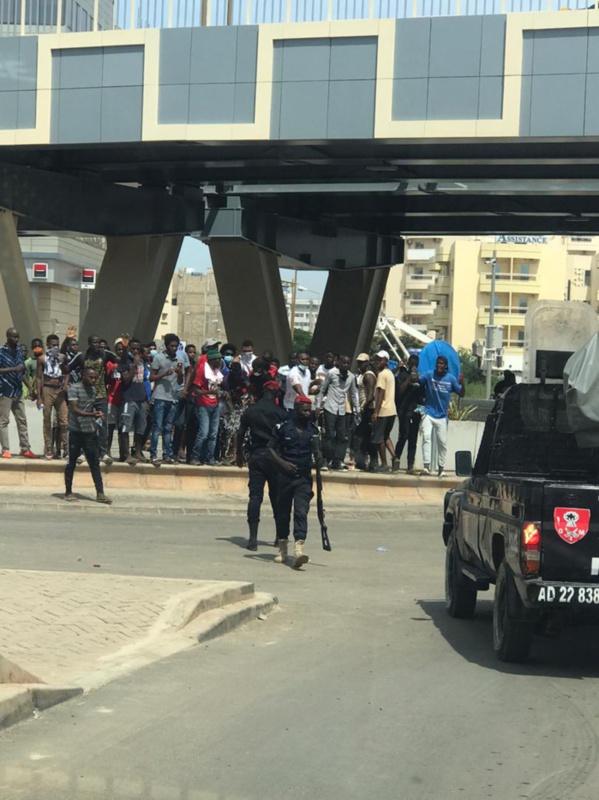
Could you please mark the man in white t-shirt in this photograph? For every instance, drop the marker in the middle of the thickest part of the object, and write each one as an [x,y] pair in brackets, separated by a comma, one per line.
[298,381]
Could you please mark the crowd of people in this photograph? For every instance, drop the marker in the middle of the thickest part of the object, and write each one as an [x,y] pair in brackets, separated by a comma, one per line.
[224,405]
[193,399]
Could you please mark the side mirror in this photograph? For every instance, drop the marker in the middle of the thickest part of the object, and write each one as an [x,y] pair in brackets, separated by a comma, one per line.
[463,463]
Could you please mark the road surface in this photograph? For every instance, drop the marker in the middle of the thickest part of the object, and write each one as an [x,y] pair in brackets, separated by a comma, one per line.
[358,686]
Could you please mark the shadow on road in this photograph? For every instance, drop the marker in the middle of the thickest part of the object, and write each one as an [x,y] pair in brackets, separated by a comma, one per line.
[575,654]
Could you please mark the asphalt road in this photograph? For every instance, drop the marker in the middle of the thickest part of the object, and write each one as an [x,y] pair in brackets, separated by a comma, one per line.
[358,686]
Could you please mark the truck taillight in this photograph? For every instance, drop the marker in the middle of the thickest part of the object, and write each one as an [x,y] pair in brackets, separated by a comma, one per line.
[531,547]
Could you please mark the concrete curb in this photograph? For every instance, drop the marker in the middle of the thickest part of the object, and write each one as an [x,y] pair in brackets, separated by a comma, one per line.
[187,620]
[18,701]
[220,621]
[351,485]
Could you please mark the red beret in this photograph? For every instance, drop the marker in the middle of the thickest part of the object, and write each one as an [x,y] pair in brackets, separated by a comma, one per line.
[272,385]
[301,398]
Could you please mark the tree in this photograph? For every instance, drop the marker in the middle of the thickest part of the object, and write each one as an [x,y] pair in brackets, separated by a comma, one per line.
[470,367]
[301,340]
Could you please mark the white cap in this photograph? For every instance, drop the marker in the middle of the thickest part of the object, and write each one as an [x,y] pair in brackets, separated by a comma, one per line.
[383,354]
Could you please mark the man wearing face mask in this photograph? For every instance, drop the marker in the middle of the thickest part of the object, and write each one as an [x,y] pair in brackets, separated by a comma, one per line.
[235,386]
[52,383]
[298,382]
[247,356]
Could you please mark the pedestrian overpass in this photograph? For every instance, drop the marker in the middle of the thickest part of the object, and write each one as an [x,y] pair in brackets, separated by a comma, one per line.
[306,144]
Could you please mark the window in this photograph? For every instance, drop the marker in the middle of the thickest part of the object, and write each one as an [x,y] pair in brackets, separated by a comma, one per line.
[524,272]
[521,337]
[419,245]
[523,305]
[587,277]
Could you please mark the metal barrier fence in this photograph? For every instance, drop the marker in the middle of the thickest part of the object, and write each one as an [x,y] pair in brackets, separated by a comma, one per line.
[49,16]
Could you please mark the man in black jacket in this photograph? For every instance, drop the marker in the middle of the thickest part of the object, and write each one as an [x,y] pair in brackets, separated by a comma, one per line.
[260,420]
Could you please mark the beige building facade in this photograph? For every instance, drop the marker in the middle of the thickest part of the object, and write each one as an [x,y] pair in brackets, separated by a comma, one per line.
[444,285]
[192,309]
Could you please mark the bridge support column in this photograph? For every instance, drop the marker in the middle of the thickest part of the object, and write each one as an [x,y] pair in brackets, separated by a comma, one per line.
[132,286]
[251,295]
[16,301]
[350,308]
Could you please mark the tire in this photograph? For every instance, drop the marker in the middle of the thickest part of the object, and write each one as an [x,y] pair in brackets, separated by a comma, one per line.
[460,596]
[512,636]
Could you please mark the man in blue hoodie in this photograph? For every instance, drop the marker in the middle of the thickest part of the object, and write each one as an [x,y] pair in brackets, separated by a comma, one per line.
[438,384]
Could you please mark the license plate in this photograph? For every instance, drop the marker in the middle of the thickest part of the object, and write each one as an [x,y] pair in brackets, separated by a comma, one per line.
[568,595]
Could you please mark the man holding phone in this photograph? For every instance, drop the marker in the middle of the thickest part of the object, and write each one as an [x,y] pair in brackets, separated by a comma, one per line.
[85,421]
[167,373]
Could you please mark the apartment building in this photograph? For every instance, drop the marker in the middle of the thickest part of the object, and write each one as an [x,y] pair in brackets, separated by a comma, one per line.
[444,286]
[192,308]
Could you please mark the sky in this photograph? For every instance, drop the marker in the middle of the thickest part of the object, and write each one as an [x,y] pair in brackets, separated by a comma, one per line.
[196,256]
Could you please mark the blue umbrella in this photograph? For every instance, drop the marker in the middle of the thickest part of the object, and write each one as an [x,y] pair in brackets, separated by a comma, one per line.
[433,350]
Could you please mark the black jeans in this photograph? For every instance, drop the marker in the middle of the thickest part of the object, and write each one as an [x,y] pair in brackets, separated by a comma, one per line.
[293,491]
[263,470]
[363,445]
[335,437]
[89,444]
[102,405]
[409,425]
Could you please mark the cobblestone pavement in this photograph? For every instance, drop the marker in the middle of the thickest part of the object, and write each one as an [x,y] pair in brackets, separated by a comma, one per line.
[59,625]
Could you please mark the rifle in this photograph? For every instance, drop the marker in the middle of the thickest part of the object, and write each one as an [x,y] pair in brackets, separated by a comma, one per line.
[326,544]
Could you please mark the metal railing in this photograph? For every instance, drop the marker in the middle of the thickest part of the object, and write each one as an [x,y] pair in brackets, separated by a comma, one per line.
[44,16]
[157,13]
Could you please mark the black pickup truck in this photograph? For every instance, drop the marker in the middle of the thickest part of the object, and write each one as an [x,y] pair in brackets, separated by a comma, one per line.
[526,520]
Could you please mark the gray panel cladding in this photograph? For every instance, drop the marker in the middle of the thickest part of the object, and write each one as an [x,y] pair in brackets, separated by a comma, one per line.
[18,81]
[559,85]
[207,75]
[97,95]
[324,88]
[442,65]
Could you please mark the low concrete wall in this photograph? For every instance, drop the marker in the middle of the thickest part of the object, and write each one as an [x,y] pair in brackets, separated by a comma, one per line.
[353,485]
[461,436]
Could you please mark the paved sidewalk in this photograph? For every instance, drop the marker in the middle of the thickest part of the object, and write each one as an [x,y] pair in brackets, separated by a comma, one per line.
[61,627]
[410,502]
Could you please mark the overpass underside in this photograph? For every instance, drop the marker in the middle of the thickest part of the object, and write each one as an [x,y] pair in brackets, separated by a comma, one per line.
[310,146]
[338,206]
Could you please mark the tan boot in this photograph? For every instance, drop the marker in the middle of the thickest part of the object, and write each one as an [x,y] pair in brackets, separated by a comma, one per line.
[300,557]
[281,556]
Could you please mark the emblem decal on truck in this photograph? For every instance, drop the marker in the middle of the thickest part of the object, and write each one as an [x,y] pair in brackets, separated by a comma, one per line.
[572,524]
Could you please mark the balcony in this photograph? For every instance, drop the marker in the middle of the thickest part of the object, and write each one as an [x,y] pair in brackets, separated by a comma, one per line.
[419,282]
[424,254]
[508,282]
[504,315]
[419,307]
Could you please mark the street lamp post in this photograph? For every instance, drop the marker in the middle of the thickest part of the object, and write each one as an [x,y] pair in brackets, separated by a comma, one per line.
[489,329]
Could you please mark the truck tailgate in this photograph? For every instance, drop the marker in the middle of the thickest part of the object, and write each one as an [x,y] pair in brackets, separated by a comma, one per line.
[570,539]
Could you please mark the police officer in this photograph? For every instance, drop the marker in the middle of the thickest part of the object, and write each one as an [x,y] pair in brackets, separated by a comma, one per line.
[291,448]
[260,420]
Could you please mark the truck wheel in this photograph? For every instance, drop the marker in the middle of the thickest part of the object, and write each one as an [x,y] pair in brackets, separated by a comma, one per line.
[460,596]
[512,636]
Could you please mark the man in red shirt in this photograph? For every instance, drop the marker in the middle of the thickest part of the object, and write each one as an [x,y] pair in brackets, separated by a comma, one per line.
[206,388]
[114,395]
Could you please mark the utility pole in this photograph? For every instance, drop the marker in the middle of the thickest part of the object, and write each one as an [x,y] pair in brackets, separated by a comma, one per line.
[489,329]
[293,303]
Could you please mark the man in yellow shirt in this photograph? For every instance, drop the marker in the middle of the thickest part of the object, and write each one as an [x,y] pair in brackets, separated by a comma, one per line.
[383,417]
